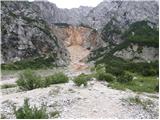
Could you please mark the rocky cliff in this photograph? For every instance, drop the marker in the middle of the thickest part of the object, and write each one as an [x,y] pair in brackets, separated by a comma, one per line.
[25,35]
[41,29]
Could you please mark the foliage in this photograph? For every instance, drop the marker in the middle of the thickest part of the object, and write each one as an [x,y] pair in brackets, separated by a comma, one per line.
[138,101]
[125,78]
[28,80]
[57,78]
[35,63]
[4,86]
[117,66]
[102,75]
[81,79]
[140,84]
[54,114]
[26,112]
[141,33]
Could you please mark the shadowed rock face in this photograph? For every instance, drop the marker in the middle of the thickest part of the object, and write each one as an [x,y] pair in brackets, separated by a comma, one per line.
[26,35]
[28,28]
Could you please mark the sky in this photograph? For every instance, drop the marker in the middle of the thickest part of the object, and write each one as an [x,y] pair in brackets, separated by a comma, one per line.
[75,3]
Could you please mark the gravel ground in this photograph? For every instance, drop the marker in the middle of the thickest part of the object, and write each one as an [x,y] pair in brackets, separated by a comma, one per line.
[94,101]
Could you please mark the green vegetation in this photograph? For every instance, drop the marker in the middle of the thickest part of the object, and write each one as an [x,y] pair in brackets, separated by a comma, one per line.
[54,114]
[62,24]
[140,84]
[26,112]
[143,34]
[126,71]
[28,80]
[35,63]
[102,75]
[81,80]
[5,86]
[117,66]
[57,78]
[136,100]
[125,78]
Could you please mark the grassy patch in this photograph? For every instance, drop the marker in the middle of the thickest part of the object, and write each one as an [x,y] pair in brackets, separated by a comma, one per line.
[140,84]
[81,80]
[136,100]
[36,63]
[28,80]
[5,86]
[57,78]
[54,114]
[27,112]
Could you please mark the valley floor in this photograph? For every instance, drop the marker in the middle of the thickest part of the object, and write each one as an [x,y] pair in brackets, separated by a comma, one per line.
[96,100]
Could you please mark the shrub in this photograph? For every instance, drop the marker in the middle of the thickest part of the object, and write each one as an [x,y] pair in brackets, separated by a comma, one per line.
[114,70]
[157,88]
[57,78]
[125,78]
[28,80]
[8,86]
[101,75]
[81,80]
[26,112]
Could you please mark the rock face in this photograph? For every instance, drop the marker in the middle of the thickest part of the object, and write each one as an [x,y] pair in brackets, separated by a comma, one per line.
[138,53]
[125,12]
[77,35]
[29,29]
[26,35]
[52,14]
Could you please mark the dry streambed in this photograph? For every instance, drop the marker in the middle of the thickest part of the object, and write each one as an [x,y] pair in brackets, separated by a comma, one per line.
[94,101]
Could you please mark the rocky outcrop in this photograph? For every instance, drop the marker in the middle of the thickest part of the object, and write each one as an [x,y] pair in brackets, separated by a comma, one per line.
[126,12]
[138,53]
[52,14]
[26,35]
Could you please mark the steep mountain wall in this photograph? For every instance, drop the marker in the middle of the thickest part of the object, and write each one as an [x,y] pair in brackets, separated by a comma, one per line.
[26,35]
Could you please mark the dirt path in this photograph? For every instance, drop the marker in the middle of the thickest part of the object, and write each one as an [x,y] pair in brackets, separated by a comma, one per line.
[78,53]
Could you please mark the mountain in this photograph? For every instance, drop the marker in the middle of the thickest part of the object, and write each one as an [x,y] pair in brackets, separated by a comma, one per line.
[25,35]
[32,30]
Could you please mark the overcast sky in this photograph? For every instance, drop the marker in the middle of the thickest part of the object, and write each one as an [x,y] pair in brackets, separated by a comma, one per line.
[75,3]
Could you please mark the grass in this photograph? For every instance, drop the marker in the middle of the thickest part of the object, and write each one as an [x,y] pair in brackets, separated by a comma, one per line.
[81,80]
[136,100]
[54,114]
[27,112]
[29,80]
[5,86]
[57,78]
[36,63]
[141,84]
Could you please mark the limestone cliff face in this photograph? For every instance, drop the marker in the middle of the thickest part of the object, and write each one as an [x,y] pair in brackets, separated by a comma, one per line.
[138,53]
[26,35]
[29,29]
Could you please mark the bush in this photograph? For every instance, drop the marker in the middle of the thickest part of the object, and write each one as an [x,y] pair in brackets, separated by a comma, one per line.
[81,79]
[104,76]
[26,112]
[114,70]
[125,78]
[5,86]
[56,78]
[157,88]
[28,80]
